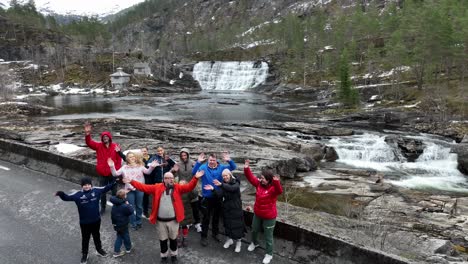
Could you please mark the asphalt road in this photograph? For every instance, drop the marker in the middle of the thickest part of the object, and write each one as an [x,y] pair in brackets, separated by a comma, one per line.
[37,227]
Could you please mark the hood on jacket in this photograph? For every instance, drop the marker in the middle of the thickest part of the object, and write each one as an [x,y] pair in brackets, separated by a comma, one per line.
[186,150]
[117,201]
[106,133]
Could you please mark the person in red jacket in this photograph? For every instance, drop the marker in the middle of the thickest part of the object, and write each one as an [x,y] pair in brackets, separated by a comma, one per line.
[104,150]
[168,209]
[268,189]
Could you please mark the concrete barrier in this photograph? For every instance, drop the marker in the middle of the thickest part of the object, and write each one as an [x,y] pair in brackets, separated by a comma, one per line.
[294,237]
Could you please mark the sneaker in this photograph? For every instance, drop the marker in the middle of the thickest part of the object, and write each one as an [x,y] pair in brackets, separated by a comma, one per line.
[128,251]
[204,241]
[267,258]
[84,259]
[101,252]
[252,247]
[198,227]
[216,238]
[238,246]
[228,243]
[174,259]
[145,215]
[118,254]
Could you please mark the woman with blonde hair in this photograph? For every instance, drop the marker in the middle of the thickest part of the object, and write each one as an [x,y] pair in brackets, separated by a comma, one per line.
[134,170]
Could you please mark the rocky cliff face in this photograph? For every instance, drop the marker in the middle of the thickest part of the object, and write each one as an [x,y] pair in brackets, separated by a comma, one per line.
[20,42]
[192,21]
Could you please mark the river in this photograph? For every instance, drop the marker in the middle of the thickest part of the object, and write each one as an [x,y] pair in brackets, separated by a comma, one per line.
[434,171]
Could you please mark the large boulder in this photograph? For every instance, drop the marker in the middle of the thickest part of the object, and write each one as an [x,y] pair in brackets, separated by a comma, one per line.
[330,154]
[313,151]
[410,148]
[462,152]
[289,168]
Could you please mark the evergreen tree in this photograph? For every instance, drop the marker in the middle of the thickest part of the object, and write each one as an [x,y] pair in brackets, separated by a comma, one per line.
[348,96]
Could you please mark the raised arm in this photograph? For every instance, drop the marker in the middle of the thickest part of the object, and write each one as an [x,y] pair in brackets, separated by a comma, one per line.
[114,172]
[249,175]
[277,184]
[192,184]
[200,160]
[148,189]
[227,158]
[151,167]
[119,151]
[89,141]
[64,196]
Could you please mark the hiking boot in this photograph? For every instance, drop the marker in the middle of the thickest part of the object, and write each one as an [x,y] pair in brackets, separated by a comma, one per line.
[204,241]
[252,247]
[118,254]
[84,258]
[238,246]
[101,252]
[228,243]
[174,260]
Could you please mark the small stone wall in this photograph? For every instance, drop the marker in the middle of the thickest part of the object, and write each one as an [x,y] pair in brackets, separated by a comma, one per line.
[46,162]
[299,241]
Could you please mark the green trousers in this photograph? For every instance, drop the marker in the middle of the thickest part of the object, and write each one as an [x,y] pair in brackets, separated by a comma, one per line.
[268,226]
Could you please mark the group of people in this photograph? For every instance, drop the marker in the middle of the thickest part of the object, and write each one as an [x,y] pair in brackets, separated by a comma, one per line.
[176,200]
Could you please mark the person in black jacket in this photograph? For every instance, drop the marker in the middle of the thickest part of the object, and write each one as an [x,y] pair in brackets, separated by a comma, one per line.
[233,219]
[87,201]
[120,217]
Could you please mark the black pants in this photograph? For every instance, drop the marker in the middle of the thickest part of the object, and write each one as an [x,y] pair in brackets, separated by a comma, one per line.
[196,211]
[210,208]
[103,181]
[148,180]
[86,231]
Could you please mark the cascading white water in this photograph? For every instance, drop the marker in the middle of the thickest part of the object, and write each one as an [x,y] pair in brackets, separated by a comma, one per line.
[436,167]
[230,75]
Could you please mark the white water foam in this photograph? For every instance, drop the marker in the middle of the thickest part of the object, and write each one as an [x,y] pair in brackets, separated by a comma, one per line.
[436,167]
[230,75]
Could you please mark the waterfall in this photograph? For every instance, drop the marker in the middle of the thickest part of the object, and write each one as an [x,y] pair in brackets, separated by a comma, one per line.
[436,167]
[230,75]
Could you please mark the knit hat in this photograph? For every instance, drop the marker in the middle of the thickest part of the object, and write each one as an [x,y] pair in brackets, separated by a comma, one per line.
[86,180]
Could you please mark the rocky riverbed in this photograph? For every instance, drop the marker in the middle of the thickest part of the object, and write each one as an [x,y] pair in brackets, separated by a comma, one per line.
[341,202]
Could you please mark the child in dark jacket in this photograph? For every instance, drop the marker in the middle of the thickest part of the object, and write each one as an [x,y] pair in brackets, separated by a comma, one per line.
[87,201]
[120,217]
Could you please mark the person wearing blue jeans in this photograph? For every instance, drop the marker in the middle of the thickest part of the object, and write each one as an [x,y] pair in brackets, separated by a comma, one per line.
[121,211]
[135,198]
[134,170]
